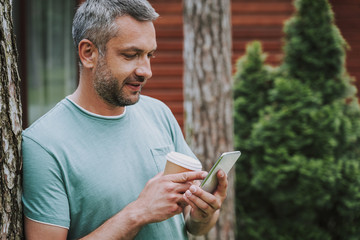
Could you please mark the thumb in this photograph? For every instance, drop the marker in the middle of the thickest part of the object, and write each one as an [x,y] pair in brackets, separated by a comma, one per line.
[222,183]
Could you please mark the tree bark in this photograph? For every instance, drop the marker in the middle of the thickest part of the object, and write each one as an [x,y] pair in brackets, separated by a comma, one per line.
[208,93]
[11,218]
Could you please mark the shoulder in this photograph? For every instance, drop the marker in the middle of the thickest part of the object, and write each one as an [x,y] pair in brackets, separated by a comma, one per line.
[150,101]
[154,110]
[52,122]
[152,106]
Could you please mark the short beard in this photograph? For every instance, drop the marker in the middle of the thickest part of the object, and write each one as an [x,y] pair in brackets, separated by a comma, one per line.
[108,88]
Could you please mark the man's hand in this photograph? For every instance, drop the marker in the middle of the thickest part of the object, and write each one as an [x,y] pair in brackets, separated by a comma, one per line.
[204,208]
[163,194]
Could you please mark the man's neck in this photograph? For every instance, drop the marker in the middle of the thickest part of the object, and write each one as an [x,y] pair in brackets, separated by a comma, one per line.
[86,97]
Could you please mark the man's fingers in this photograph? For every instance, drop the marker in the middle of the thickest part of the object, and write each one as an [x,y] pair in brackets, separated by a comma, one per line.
[181,187]
[187,176]
[222,183]
[202,199]
[197,201]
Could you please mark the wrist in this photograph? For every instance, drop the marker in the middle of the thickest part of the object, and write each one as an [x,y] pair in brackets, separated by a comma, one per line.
[200,226]
[198,221]
[189,218]
[136,215]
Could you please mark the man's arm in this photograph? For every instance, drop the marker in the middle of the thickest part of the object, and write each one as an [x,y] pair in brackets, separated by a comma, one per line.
[124,225]
[157,202]
[41,231]
[204,208]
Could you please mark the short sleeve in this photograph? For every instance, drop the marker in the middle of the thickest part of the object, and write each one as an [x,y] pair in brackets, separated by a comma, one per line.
[177,135]
[44,193]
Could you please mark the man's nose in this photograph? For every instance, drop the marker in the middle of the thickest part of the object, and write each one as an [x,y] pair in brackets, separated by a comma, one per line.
[144,68]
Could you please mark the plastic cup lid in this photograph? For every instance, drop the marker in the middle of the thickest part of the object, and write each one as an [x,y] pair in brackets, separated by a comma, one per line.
[184,161]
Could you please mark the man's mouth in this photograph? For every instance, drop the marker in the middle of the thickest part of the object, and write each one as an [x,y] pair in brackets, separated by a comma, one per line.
[134,86]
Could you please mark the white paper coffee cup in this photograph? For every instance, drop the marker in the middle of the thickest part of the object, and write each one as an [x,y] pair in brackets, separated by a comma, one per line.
[178,162]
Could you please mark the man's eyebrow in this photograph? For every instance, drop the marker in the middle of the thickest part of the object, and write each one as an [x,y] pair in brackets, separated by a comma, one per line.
[135,49]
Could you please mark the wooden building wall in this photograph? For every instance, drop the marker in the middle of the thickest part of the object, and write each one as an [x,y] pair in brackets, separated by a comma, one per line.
[252,20]
[347,18]
[167,66]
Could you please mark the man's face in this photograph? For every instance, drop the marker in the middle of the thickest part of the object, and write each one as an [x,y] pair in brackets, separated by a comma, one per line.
[120,74]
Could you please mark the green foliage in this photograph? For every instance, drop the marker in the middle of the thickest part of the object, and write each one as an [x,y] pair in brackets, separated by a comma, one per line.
[254,77]
[310,36]
[298,127]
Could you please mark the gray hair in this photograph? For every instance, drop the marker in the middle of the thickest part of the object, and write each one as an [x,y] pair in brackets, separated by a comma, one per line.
[95,19]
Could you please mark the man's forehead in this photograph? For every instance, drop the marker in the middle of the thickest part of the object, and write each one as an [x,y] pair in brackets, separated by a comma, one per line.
[130,23]
[135,34]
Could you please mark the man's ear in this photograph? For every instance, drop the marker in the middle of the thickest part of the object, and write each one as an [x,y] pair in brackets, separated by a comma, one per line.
[88,53]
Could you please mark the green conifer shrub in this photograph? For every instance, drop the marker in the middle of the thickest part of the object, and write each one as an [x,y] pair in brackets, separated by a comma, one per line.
[298,127]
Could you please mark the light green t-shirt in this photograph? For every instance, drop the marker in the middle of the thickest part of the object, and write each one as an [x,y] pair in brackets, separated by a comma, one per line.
[80,168]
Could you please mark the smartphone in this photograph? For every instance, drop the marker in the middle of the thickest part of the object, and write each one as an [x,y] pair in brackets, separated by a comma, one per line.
[224,162]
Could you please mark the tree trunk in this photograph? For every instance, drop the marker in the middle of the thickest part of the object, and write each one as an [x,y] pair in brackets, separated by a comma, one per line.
[11,218]
[208,92]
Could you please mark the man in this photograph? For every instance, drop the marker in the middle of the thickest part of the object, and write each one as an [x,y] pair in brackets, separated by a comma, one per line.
[93,164]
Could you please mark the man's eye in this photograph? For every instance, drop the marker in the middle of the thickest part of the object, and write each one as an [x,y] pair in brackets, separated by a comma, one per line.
[129,56]
[151,55]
